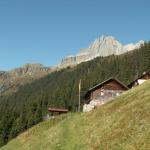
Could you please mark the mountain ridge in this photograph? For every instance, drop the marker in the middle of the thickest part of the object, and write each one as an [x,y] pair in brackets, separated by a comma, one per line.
[102,46]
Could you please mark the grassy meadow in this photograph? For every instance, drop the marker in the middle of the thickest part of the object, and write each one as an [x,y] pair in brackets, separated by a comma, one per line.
[121,124]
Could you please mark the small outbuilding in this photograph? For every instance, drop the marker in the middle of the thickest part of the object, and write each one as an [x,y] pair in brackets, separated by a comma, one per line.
[103,92]
[141,79]
[54,112]
[57,110]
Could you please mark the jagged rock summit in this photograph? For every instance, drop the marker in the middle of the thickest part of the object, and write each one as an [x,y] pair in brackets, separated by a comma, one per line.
[102,46]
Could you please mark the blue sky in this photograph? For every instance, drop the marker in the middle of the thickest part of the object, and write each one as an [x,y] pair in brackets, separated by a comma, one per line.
[43,31]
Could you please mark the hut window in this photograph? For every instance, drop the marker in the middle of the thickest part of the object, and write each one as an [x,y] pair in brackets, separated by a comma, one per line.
[102,93]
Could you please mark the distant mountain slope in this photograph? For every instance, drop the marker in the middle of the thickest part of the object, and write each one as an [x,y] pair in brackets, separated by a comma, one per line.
[11,80]
[102,46]
[122,124]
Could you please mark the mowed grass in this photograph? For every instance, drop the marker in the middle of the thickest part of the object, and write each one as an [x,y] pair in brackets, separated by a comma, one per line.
[122,124]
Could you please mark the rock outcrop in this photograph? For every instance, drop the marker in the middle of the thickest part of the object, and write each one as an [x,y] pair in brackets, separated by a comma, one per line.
[102,46]
[10,80]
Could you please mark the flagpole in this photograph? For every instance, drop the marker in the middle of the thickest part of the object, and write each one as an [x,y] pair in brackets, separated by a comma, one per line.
[79,96]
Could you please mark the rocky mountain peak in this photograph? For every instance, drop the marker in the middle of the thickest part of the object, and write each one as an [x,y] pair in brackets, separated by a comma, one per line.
[104,40]
[102,46]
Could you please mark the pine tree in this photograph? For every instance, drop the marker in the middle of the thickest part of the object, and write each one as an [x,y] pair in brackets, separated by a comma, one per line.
[146,54]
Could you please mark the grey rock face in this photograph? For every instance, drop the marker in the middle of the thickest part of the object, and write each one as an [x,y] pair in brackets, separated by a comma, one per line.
[68,60]
[102,46]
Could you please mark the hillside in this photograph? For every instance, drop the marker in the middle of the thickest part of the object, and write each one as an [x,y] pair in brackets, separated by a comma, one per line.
[10,81]
[29,104]
[122,124]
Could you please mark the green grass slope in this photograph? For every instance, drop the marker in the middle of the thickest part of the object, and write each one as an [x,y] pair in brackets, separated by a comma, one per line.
[122,124]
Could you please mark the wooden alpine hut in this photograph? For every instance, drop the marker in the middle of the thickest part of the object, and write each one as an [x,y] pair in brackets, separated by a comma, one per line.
[103,92]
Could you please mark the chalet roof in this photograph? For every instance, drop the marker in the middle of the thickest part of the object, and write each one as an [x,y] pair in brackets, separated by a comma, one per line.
[105,82]
[144,74]
[58,110]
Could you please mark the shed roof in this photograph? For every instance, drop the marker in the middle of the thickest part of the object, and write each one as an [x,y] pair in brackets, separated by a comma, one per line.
[61,110]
